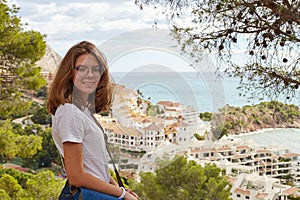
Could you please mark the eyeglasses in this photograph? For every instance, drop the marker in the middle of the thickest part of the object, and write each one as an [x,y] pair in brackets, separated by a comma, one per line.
[84,70]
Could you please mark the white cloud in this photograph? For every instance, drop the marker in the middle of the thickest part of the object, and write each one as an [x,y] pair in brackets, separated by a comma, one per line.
[67,22]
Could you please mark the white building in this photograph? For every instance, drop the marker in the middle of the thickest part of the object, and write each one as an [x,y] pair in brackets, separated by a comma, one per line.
[256,187]
[176,110]
[153,136]
[124,137]
[240,157]
[185,132]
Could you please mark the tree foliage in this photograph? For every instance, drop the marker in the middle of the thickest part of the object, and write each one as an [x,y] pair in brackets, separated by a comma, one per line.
[19,185]
[181,179]
[273,114]
[13,144]
[46,155]
[4,195]
[264,34]
[206,116]
[44,185]
[41,116]
[11,186]
[19,51]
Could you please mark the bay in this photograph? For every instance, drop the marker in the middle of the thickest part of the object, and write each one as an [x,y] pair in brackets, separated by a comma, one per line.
[288,138]
[204,93]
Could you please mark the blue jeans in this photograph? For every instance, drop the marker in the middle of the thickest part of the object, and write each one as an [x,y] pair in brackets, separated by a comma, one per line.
[83,194]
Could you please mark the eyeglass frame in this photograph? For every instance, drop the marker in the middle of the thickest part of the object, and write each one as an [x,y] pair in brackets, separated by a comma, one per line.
[87,70]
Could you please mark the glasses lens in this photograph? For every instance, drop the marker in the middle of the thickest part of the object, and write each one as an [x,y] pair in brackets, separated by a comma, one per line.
[98,70]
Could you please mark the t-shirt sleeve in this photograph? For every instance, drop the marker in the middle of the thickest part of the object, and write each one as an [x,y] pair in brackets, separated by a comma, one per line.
[70,123]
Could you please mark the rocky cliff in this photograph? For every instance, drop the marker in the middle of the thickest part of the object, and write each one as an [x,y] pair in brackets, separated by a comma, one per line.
[236,120]
[49,61]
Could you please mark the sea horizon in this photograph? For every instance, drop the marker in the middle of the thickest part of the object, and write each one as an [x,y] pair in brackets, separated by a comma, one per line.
[158,87]
[287,138]
[203,91]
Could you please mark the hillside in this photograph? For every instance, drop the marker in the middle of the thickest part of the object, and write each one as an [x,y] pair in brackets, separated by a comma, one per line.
[235,120]
[49,61]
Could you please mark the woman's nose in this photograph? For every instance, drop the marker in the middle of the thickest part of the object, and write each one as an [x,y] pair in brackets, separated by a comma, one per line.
[90,73]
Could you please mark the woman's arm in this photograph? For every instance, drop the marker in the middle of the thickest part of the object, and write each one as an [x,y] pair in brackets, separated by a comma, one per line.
[113,181]
[79,178]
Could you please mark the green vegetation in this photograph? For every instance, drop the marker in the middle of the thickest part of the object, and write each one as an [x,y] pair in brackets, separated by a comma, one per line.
[183,180]
[220,130]
[27,145]
[199,137]
[14,144]
[41,116]
[206,116]
[234,120]
[19,185]
[32,146]
[45,156]
[137,154]
[19,51]
[154,110]
[42,92]
[293,198]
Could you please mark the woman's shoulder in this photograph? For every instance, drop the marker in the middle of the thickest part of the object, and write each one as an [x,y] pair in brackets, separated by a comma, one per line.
[67,108]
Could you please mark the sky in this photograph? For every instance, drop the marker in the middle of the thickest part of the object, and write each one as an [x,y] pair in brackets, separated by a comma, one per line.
[126,34]
[67,22]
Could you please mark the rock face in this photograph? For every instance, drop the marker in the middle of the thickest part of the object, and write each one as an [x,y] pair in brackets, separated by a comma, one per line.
[49,61]
[236,120]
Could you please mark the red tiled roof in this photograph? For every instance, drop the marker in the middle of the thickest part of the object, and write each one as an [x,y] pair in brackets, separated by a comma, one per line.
[290,155]
[224,149]
[168,103]
[180,124]
[153,127]
[263,151]
[8,166]
[242,191]
[290,191]
[261,195]
[117,128]
[242,147]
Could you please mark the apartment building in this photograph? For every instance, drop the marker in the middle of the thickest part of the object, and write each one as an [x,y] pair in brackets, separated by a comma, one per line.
[153,136]
[175,109]
[256,187]
[124,137]
[237,157]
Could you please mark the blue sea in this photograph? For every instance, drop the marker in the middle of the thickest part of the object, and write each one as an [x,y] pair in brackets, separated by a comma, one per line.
[205,92]
[281,137]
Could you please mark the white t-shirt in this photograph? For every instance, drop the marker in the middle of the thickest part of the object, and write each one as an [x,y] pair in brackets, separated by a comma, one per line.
[70,124]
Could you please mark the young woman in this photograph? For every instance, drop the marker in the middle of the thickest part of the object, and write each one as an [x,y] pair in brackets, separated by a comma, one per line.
[81,88]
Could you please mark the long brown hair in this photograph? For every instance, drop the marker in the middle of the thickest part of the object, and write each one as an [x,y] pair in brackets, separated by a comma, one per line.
[61,89]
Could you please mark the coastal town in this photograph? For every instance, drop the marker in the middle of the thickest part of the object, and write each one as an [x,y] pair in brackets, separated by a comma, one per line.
[256,172]
[144,132]
[245,147]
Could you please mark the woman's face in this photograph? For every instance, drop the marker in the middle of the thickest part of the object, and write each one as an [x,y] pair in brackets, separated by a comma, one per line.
[87,74]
